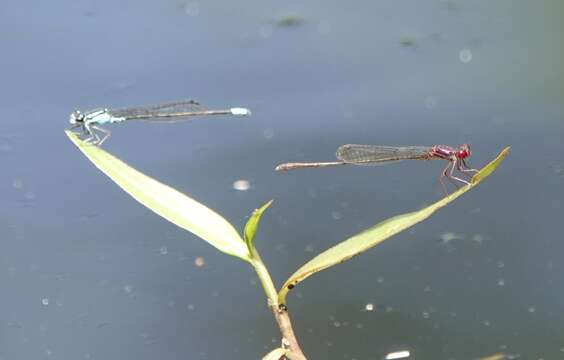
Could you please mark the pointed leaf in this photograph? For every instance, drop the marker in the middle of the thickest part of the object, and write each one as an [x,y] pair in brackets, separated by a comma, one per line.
[252,225]
[167,202]
[379,232]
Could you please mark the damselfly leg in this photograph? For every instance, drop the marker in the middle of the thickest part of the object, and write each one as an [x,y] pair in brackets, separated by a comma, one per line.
[448,173]
[464,167]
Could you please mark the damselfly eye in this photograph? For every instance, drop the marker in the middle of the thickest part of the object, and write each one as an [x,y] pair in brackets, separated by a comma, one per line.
[76,117]
[463,151]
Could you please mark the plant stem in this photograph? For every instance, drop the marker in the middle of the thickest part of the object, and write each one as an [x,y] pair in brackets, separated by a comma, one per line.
[282,317]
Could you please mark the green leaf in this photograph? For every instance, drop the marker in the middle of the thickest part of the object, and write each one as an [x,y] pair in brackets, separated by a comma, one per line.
[167,202]
[252,225]
[379,232]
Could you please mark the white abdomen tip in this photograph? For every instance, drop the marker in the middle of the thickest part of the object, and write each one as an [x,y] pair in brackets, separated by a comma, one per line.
[240,111]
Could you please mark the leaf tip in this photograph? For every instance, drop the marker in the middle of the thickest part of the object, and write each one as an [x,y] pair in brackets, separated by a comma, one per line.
[251,227]
[265,206]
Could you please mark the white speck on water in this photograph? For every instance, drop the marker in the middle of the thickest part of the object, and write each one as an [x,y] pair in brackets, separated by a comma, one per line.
[500,282]
[336,215]
[500,264]
[128,289]
[426,314]
[478,238]
[398,355]
[336,324]
[450,236]
[191,307]
[380,279]
[241,185]
[532,309]
[465,56]
[45,301]
[369,307]
[486,323]
[199,261]
[163,250]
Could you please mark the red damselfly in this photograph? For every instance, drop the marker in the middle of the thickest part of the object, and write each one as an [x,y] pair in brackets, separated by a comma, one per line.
[353,154]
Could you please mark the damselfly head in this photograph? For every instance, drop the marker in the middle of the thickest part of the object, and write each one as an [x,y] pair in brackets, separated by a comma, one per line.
[463,151]
[76,117]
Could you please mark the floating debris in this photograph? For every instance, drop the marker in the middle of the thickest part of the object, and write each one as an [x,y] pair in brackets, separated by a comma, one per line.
[497,356]
[241,185]
[465,56]
[290,21]
[398,355]
[199,261]
[408,41]
[448,236]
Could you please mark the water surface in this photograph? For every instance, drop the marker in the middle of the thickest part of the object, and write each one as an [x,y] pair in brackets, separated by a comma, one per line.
[87,273]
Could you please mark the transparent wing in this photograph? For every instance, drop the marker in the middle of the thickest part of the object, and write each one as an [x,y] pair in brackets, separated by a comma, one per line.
[167,110]
[379,154]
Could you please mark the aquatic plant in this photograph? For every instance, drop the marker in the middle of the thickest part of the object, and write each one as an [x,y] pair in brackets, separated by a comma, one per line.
[202,221]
